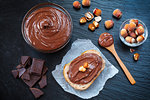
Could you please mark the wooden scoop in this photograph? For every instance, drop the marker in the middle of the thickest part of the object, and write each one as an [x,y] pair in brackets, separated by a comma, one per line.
[106,40]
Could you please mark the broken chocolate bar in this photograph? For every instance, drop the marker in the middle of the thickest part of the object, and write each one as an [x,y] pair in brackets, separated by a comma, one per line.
[45,69]
[19,66]
[26,75]
[21,71]
[37,66]
[36,92]
[15,73]
[25,60]
[43,81]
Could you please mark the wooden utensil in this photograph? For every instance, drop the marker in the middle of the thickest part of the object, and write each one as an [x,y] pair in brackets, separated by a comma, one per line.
[111,48]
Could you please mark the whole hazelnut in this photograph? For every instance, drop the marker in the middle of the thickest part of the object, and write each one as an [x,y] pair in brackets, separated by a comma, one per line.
[132,26]
[96,24]
[140,30]
[132,34]
[123,33]
[140,25]
[134,21]
[86,2]
[97,12]
[86,65]
[76,4]
[136,56]
[109,24]
[91,27]
[117,13]
[130,39]
[82,69]
[140,38]
[83,20]
[126,26]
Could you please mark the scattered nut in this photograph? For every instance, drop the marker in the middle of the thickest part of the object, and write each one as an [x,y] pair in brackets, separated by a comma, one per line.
[131,26]
[126,26]
[140,30]
[140,25]
[96,24]
[97,12]
[91,27]
[134,21]
[86,2]
[86,65]
[132,50]
[89,16]
[98,18]
[136,56]
[83,20]
[132,34]
[124,33]
[82,69]
[76,4]
[130,39]
[140,38]
[117,13]
[109,24]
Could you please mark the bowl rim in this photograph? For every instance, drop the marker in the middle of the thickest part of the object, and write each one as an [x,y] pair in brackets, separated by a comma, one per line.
[133,44]
[40,5]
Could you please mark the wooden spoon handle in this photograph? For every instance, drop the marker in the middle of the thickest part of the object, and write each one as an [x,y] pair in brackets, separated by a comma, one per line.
[127,73]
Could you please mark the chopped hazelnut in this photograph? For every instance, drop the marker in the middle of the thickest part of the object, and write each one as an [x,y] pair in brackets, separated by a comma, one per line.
[91,27]
[97,12]
[132,50]
[117,13]
[89,16]
[86,2]
[83,20]
[98,18]
[109,24]
[96,24]
[136,56]
[123,33]
[140,38]
[76,4]
[82,69]
[130,39]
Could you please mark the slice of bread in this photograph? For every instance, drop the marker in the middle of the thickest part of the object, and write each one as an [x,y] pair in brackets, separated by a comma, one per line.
[82,86]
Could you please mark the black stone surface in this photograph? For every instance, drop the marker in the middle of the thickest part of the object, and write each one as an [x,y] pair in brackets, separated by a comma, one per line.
[13,46]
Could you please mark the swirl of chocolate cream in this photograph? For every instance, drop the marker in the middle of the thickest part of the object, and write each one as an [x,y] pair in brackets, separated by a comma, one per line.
[95,64]
[106,40]
[47,28]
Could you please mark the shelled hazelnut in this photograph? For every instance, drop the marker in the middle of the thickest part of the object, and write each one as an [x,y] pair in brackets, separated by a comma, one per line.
[126,26]
[97,12]
[123,33]
[91,27]
[140,38]
[86,2]
[109,24]
[132,34]
[89,16]
[136,56]
[117,13]
[98,18]
[131,26]
[82,69]
[130,39]
[96,24]
[83,20]
[86,65]
[76,4]
[134,21]
[140,30]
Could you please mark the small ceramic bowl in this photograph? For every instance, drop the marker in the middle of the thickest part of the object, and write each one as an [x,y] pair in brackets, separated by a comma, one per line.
[145,34]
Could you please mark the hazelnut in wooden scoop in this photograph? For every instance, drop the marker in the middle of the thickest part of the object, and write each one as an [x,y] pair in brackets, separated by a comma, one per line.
[76,4]
[109,24]
[86,3]
[117,13]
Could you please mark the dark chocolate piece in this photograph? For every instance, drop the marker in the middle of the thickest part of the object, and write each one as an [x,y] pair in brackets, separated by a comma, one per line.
[43,81]
[37,66]
[19,66]
[45,69]
[25,60]
[21,71]
[26,75]
[15,73]
[36,92]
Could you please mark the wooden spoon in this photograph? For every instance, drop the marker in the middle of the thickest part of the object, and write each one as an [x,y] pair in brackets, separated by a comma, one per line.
[106,40]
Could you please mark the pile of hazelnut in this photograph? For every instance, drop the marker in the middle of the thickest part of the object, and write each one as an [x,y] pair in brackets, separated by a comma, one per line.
[83,68]
[133,32]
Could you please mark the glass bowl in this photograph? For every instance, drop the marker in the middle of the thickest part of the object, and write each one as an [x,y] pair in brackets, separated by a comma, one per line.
[145,34]
[36,7]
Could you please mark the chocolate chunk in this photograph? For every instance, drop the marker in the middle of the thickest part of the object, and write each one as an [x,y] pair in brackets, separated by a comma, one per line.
[15,73]
[43,81]
[21,71]
[19,66]
[37,66]
[36,92]
[25,60]
[45,69]
[26,75]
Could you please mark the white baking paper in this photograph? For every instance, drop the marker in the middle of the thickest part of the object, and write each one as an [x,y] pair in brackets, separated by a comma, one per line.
[78,47]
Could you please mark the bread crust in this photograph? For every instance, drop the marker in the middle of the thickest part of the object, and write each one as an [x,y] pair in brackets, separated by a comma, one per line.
[82,86]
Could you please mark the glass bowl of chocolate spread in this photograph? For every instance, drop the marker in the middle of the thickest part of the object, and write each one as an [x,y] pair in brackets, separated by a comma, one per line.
[47,27]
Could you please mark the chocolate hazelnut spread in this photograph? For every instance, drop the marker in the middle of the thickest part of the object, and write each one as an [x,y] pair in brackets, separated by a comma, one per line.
[95,64]
[47,28]
[106,40]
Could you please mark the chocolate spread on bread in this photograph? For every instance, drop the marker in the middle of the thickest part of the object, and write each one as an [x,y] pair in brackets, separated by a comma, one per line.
[95,64]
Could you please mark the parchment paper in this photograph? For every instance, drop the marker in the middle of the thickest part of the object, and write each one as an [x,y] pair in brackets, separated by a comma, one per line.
[78,47]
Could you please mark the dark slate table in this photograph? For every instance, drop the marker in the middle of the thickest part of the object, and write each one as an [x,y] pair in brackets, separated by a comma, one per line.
[12,46]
